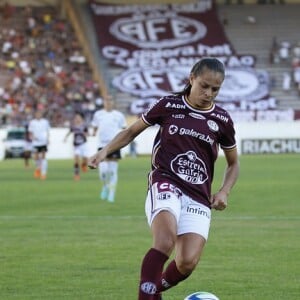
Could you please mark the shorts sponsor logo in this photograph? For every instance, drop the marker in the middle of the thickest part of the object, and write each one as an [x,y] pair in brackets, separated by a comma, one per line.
[148,288]
[197,210]
[163,196]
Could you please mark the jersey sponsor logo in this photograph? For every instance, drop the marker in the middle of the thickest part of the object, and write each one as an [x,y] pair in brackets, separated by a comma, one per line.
[178,116]
[198,135]
[213,125]
[197,116]
[175,105]
[221,117]
[148,288]
[189,168]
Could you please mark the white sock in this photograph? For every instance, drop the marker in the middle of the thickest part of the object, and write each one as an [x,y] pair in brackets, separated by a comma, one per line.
[103,172]
[44,166]
[38,163]
[113,179]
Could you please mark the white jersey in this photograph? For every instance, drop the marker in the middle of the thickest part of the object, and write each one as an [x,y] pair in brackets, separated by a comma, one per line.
[39,128]
[109,123]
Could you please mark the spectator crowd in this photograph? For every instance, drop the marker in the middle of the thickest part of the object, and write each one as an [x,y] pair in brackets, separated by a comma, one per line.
[42,67]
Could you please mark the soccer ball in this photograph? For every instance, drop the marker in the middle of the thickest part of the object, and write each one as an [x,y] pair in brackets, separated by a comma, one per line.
[201,296]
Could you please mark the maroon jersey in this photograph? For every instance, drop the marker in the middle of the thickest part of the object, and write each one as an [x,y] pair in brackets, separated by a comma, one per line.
[79,132]
[187,143]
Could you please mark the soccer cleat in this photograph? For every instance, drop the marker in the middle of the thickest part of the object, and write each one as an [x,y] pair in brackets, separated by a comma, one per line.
[111,198]
[76,177]
[104,193]
[43,177]
[37,173]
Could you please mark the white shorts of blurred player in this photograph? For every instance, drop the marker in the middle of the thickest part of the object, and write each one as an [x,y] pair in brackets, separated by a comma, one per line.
[81,150]
[28,147]
[191,216]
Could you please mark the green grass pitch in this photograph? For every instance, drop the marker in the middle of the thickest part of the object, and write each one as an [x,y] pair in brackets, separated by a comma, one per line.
[59,241]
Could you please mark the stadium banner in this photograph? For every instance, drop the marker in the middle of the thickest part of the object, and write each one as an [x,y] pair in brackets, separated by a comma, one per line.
[271,146]
[155,45]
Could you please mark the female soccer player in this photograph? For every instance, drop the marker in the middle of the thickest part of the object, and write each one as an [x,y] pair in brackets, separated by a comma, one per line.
[179,201]
[80,132]
[108,122]
[39,133]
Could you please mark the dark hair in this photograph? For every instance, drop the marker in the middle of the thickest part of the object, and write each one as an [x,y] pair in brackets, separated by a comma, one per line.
[199,67]
[81,114]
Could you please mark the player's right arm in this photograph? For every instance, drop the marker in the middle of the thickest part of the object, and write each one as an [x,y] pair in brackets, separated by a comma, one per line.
[122,139]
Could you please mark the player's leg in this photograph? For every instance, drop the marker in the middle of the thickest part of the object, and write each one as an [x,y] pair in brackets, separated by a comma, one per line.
[76,167]
[104,178]
[37,171]
[84,157]
[164,238]
[113,179]
[189,247]
[27,155]
[193,230]
[163,206]
[44,163]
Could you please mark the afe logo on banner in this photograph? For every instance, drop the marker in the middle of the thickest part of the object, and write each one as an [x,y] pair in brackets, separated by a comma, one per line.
[158,31]
[150,82]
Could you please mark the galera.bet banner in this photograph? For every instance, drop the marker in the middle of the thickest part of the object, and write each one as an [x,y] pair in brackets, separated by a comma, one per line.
[156,45]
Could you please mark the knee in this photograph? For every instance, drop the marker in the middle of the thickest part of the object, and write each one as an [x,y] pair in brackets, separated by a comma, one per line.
[165,244]
[186,265]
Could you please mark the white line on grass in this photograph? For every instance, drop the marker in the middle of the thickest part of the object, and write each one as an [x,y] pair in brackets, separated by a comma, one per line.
[230,218]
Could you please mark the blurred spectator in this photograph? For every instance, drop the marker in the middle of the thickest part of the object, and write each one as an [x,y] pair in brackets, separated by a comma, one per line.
[251,20]
[296,77]
[42,66]
[284,51]
[286,82]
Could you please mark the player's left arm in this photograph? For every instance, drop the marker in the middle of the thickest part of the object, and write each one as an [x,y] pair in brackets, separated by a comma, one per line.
[219,199]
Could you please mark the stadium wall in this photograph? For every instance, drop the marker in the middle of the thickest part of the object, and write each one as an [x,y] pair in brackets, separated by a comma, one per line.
[252,138]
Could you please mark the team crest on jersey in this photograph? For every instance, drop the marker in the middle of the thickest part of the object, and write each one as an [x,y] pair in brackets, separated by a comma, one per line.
[173,129]
[213,125]
[197,116]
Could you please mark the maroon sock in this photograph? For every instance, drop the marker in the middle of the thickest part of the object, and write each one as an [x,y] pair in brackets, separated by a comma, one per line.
[151,271]
[76,169]
[170,277]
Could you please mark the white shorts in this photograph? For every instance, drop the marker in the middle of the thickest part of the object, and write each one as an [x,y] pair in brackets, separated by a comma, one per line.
[28,146]
[81,150]
[191,216]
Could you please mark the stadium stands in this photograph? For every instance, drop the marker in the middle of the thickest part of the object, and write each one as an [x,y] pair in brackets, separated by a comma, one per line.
[42,66]
[43,62]
[272,21]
